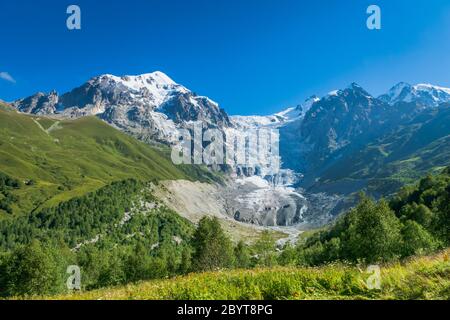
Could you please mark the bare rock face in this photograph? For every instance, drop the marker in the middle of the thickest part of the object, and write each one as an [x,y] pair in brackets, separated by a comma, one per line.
[39,103]
[149,106]
[340,118]
[188,107]
[344,121]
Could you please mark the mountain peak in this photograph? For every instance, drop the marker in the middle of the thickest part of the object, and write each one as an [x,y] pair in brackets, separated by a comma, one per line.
[430,87]
[401,85]
[156,78]
[354,85]
[305,106]
[426,94]
[333,93]
[358,89]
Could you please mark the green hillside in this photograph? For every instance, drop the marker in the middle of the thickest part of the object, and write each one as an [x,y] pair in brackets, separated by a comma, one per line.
[400,157]
[57,160]
[5,106]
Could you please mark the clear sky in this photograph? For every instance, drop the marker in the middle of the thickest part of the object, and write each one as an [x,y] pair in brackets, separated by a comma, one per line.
[251,56]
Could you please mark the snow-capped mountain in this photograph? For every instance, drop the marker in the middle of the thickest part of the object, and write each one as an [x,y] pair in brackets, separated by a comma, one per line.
[344,122]
[150,106]
[426,94]
[153,107]
[332,123]
[313,136]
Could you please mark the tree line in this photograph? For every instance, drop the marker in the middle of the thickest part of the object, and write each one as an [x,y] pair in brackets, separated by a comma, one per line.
[414,221]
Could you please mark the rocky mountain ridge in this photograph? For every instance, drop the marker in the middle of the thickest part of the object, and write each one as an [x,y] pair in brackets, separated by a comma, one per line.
[315,137]
[149,106]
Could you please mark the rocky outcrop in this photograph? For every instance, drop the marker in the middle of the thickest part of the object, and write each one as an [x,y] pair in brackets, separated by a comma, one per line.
[149,106]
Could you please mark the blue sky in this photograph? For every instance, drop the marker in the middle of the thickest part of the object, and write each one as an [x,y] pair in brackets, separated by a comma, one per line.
[252,56]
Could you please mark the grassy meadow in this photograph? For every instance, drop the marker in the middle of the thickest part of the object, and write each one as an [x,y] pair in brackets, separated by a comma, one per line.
[425,277]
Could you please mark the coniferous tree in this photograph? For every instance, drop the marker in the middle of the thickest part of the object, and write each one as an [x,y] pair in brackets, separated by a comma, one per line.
[265,249]
[212,247]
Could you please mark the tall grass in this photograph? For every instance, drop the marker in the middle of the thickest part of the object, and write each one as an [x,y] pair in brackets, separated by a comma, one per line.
[418,278]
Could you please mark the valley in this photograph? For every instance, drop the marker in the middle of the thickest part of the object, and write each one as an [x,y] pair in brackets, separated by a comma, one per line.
[91,171]
[317,139]
[224,150]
